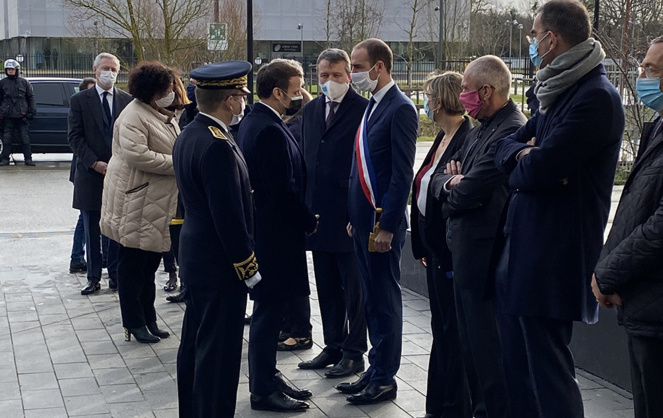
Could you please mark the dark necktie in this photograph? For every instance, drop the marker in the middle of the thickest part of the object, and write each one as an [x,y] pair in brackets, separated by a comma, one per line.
[104,104]
[332,106]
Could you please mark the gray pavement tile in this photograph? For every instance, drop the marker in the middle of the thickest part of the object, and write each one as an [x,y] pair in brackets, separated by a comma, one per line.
[132,410]
[26,326]
[38,381]
[22,316]
[134,350]
[41,365]
[155,381]
[161,399]
[611,400]
[409,372]
[114,376]
[58,330]
[73,354]
[46,413]
[86,406]
[39,399]
[11,408]
[420,360]
[7,359]
[72,370]
[90,321]
[409,348]
[144,365]
[78,387]
[93,335]
[9,390]
[168,355]
[417,304]
[320,388]
[8,374]
[387,410]
[20,306]
[49,319]
[409,400]
[99,347]
[409,328]
[105,361]
[166,413]
[122,393]
[595,408]
[171,368]
[337,406]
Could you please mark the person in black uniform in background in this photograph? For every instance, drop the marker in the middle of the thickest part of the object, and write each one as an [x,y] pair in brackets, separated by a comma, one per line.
[17,106]
[216,255]
[278,175]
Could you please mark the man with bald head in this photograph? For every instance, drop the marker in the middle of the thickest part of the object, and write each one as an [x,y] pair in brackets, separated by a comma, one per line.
[561,167]
[473,194]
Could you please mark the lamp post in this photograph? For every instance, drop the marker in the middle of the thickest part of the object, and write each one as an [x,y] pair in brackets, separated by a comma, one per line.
[520,44]
[440,40]
[511,23]
[300,27]
[249,43]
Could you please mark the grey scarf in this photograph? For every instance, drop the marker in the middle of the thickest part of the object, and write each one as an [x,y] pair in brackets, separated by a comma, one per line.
[565,70]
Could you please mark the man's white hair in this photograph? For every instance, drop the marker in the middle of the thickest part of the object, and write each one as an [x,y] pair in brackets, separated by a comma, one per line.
[98,58]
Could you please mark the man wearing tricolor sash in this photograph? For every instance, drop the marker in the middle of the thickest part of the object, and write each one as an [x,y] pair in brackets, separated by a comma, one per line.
[380,181]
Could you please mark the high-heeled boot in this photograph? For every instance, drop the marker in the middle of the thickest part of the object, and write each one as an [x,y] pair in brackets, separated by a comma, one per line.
[141,334]
[154,330]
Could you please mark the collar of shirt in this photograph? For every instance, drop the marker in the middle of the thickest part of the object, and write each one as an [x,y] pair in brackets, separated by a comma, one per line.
[101,91]
[381,93]
[223,125]
[271,108]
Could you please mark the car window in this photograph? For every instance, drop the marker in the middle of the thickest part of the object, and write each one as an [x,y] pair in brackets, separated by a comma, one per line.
[48,94]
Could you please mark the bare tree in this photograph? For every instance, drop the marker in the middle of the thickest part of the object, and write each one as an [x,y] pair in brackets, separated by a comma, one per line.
[412,29]
[158,29]
[352,21]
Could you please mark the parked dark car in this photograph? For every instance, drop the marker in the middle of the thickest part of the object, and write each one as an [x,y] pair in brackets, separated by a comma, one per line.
[48,130]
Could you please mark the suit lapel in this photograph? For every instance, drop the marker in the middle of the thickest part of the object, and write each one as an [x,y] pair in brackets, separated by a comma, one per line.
[380,107]
[95,105]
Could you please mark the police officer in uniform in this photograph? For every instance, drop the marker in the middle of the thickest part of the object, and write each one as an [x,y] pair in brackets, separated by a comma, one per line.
[17,106]
[216,244]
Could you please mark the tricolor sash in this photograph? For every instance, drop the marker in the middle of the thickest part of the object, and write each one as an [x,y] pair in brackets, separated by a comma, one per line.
[364,164]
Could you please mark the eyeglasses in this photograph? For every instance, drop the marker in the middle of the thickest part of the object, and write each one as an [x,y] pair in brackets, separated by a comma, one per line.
[238,97]
[532,39]
[647,71]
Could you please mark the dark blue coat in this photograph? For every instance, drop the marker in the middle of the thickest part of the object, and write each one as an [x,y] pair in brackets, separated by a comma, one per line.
[560,203]
[329,154]
[392,138]
[213,181]
[278,176]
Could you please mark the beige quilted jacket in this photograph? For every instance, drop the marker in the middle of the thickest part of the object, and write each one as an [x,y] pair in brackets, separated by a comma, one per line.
[140,192]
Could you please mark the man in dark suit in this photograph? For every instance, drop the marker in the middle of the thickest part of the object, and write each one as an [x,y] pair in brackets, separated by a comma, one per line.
[278,176]
[329,127]
[91,117]
[380,181]
[561,165]
[473,199]
[217,260]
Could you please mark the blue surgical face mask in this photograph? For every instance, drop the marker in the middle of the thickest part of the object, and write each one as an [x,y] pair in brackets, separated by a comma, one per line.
[534,51]
[649,92]
[429,113]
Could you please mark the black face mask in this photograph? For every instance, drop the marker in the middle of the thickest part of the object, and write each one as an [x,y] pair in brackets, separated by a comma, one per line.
[295,104]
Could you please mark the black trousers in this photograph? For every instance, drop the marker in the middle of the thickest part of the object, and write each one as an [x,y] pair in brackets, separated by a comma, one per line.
[341,303]
[209,357]
[646,359]
[136,288]
[447,393]
[297,321]
[12,126]
[539,367]
[266,322]
[383,303]
[480,345]
[93,247]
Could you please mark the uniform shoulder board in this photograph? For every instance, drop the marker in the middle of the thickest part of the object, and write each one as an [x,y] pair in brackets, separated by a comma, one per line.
[218,133]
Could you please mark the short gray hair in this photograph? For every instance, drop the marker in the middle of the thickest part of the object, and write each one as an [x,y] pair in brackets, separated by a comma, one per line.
[334,55]
[491,70]
[98,58]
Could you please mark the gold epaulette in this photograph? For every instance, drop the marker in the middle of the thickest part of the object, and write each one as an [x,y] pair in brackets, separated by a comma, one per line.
[218,133]
[247,268]
[177,221]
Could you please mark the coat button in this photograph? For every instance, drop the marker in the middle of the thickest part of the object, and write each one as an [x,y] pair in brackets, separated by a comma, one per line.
[322,142]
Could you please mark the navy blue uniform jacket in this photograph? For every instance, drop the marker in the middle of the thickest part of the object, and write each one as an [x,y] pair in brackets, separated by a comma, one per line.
[278,176]
[560,201]
[329,154]
[213,181]
[392,138]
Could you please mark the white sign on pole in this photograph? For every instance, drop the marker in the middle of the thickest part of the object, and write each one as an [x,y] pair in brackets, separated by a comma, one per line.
[217,39]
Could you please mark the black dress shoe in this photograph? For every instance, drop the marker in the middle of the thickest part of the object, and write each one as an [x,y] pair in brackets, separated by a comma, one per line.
[77,267]
[294,393]
[112,284]
[29,162]
[277,402]
[178,298]
[346,367]
[374,394]
[354,387]
[91,287]
[303,343]
[154,330]
[4,162]
[321,361]
[141,334]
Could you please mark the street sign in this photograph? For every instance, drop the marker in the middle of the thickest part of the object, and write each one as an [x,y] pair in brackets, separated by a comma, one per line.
[217,39]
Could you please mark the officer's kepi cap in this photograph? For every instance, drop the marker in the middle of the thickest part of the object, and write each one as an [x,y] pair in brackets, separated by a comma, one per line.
[223,75]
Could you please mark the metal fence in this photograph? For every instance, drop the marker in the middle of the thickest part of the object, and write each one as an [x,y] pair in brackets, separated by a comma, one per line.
[63,65]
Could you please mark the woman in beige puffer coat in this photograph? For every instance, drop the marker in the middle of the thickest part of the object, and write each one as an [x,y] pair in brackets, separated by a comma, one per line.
[140,195]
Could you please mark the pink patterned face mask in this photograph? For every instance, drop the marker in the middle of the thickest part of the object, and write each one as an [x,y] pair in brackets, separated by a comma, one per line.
[471,102]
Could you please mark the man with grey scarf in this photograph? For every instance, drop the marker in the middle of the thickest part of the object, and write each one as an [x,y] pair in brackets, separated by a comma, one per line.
[561,166]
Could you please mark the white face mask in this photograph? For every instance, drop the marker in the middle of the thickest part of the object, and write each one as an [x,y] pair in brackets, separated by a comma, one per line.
[166,101]
[107,78]
[334,90]
[363,82]
[238,117]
